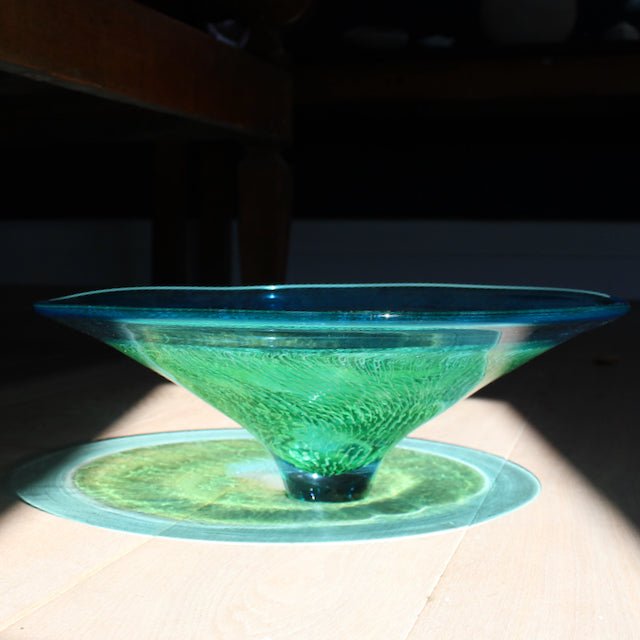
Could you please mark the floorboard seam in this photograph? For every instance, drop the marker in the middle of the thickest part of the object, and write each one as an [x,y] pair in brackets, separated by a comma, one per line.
[82,578]
[428,599]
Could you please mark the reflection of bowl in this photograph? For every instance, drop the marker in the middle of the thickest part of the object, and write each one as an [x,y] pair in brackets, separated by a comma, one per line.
[331,377]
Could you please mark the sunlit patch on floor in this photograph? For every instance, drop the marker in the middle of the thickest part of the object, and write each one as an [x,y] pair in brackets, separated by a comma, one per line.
[222,485]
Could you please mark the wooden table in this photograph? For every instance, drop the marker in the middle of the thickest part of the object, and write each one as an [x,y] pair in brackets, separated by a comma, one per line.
[216,118]
[565,566]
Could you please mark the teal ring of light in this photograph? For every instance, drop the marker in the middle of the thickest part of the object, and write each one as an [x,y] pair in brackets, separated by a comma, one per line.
[422,487]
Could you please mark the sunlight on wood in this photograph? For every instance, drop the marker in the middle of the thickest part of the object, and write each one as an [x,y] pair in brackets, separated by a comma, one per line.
[565,566]
[167,407]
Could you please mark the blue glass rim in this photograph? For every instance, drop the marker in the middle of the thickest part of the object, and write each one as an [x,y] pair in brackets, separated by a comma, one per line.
[385,304]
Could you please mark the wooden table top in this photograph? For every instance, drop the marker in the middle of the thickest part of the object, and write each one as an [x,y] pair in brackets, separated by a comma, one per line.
[567,565]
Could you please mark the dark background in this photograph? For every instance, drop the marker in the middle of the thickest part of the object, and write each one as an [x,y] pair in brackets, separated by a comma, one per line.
[566,159]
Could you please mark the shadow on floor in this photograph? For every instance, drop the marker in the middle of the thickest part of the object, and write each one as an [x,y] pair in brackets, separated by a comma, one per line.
[33,345]
[57,386]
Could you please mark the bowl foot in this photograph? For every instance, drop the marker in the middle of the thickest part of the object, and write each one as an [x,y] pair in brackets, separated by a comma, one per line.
[305,485]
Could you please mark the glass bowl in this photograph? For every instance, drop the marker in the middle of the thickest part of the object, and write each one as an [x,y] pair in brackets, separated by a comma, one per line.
[329,378]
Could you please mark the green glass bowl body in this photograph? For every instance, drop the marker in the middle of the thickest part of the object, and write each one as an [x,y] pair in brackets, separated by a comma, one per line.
[329,378]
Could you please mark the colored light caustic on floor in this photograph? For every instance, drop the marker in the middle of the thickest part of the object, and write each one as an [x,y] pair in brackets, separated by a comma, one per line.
[223,485]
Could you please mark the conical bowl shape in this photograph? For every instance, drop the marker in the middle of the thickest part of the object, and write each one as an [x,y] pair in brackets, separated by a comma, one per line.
[331,377]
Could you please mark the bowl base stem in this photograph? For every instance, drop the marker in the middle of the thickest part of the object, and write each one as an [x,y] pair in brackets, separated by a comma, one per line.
[312,487]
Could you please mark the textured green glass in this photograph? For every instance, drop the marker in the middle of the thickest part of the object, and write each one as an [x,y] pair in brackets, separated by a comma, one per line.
[331,377]
[322,410]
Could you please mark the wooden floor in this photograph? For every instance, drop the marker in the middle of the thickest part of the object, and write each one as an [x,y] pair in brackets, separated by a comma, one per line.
[565,566]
